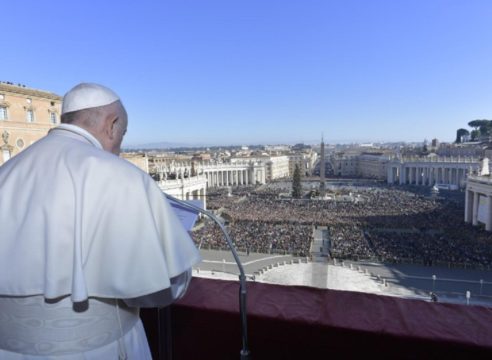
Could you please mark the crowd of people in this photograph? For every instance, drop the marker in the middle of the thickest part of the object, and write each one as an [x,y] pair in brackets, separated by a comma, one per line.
[390,224]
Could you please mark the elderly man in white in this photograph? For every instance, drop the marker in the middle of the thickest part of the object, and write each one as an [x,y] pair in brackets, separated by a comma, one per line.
[86,239]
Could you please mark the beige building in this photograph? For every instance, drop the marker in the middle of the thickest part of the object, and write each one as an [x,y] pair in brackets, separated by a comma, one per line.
[370,165]
[138,159]
[277,167]
[373,165]
[345,165]
[26,115]
[305,160]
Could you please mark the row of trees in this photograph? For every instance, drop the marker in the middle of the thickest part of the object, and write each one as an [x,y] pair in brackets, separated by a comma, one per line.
[481,128]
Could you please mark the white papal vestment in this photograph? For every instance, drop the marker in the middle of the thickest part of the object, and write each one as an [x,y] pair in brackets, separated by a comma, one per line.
[86,238]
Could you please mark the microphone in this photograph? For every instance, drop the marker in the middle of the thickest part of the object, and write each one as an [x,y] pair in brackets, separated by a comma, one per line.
[245,353]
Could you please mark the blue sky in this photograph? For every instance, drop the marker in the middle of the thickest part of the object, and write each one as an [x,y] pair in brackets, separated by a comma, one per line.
[264,71]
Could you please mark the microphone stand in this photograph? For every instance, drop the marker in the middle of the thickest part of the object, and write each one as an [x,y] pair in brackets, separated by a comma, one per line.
[245,353]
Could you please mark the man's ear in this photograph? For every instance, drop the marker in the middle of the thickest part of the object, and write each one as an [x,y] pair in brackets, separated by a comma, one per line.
[111,127]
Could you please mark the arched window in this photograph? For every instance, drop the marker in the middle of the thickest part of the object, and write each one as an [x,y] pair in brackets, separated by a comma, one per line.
[53,118]
[3,112]
[29,115]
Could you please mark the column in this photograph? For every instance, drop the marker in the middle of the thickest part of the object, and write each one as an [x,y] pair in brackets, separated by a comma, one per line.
[488,223]
[203,197]
[475,209]
[468,205]
[227,178]
[389,175]
[246,174]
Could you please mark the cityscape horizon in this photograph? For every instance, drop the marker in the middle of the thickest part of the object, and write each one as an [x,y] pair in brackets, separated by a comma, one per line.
[271,72]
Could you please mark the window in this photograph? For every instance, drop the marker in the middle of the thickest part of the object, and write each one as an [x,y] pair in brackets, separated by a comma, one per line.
[30,116]
[3,113]
[53,117]
[6,154]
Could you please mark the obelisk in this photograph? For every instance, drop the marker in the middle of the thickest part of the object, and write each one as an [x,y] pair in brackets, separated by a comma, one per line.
[322,170]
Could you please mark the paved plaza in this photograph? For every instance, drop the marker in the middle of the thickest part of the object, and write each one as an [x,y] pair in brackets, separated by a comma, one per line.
[409,281]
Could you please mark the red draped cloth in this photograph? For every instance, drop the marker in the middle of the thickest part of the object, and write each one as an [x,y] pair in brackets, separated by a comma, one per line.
[296,322]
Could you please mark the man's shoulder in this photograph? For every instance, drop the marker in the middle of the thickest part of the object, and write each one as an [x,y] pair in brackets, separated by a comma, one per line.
[109,162]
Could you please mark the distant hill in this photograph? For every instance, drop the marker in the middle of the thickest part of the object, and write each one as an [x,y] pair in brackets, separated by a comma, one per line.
[158,145]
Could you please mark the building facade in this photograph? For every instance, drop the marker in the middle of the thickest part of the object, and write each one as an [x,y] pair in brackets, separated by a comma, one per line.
[216,174]
[478,201]
[431,170]
[26,115]
[192,188]
[305,160]
[370,165]
[277,167]
[138,159]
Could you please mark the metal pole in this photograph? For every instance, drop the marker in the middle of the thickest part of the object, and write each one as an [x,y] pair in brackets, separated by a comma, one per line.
[245,353]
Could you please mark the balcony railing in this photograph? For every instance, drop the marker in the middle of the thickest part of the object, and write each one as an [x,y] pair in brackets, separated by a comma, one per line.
[480,179]
[296,322]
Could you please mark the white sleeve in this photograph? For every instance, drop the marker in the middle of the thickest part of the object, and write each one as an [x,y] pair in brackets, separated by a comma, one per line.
[179,285]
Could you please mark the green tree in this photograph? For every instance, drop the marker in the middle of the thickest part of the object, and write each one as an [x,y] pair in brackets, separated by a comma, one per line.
[459,133]
[296,183]
[481,127]
[474,134]
[478,123]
